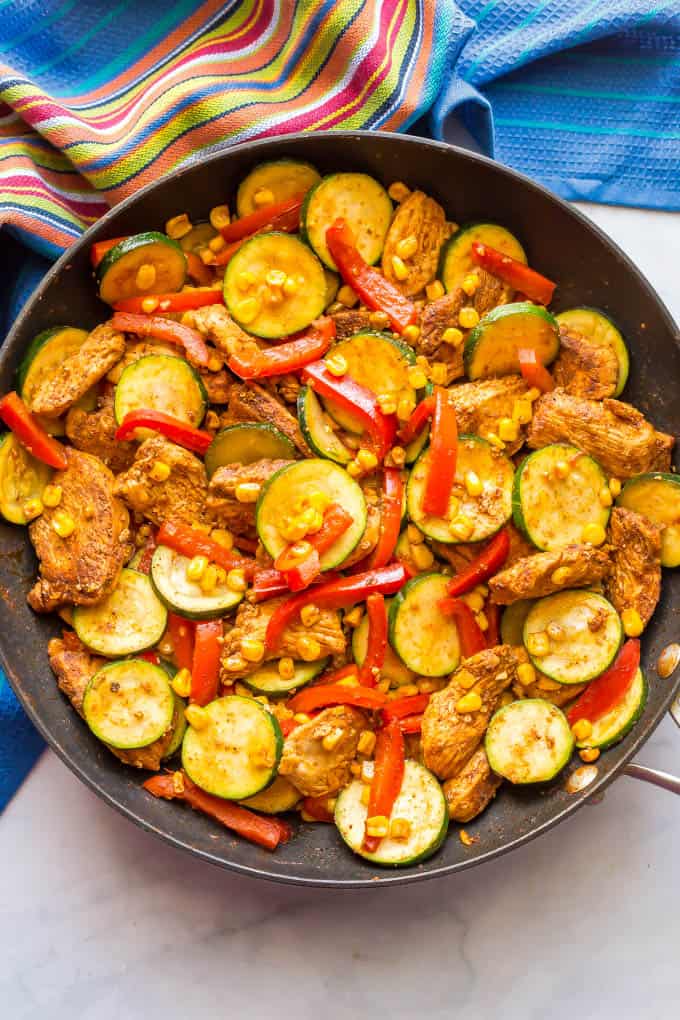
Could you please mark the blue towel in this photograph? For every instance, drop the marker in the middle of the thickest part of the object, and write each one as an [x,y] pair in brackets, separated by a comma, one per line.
[582,95]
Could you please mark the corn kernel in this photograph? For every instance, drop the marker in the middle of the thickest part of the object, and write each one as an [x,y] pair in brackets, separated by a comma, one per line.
[405,408]
[632,622]
[387,403]
[400,828]
[416,377]
[332,739]
[275,278]
[209,580]
[468,317]
[482,621]
[593,534]
[453,336]
[398,191]
[461,528]
[178,782]
[310,649]
[353,617]
[223,538]
[582,729]
[435,290]
[474,600]
[206,256]
[560,576]
[146,276]
[236,579]
[466,679]
[52,495]
[521,412]
[538,643]
[589,754]
[470,702]
[301,718]
[252,649]
[377,826]
[366,742]
[197,717]
[473,483]
[181,683]
[555,632]
[247,492]
[219,216]
[178,226]
[561,469]
[352,680]
[379,319]
[354,469]
[470,283]
[232,664]
[347,297]
[63,524]
[32,508]
[216,244]
[526,674]
[495,440]
[411,333]
[149,305]
[407,247]
[160,471]
[383,686]
[399,268]
[355,769]
[188,318]
[196,568]
[248,310]
[336,364]
[245,280]
[397,456]
[286,668]
[508,430]
[438,373]
[422,557]
[263,196]
[614,487]
[365,795]
[606,498]
[465,838]
[310,614]
[367,459]
[291,286]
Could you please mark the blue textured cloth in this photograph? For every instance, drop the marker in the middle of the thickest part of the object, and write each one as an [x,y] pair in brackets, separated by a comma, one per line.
[582,95]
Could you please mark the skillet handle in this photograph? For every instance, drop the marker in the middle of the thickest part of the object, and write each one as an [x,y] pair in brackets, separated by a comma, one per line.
[655,776]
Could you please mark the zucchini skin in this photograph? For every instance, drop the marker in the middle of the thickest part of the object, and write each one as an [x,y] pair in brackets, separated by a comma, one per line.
[669,558]
[626,727]
[479,334]
[171,364]
[336,451]
[281,448]
[449,247]
[526,706]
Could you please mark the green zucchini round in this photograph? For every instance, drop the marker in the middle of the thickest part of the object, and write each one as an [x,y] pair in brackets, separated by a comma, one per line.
[22,477]
[317,431]
[528,741]
[161,382]
[246,443]
[360,201]
[285,178]
[129,704]
[117,271]
[267,679]
[184,597]
[128,620]
[491,347]
[393,668]
[581,653]
[424,638]
[600,329]
[456,257]
[612,727]
[280,796]
[656,495]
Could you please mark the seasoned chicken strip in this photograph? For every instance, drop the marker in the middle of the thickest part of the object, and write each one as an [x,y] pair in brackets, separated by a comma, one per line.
[635,580]
[535,576]
[421,217]
[614,433]
[249,402]
[95,432]
[472,789]
[480,404]
[217,325]
[71,380]
[584,368]
[222,504]
[349,322]
[181,497]
[315,771]
[450,738]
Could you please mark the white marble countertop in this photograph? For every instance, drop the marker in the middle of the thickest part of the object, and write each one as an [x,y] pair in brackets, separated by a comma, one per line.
[100,920]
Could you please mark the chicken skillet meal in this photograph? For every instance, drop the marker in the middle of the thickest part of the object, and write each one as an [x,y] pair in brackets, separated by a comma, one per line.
[327,534]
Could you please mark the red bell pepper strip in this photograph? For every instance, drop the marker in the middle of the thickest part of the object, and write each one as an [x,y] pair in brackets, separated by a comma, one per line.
[336,594]
[388,775]
[267,584]
[256,363]
[374,290]
[197,270]
[144,563]
[391,508]
[411,724]
[401,708]
[100,248]
[266,832]
[471,635]
[607,690]
[535,373]
[30,432]
[178,431]
[317,808]
[188,541]
[418,420]
[334,676]
[358,400]
[205,669]
[324,695]
[536,287]
[287,221]
[287,726]
[300,575]
[150,656]
[248,545]
[164,329]
[224,257]
[278,215]
[493,631]
[442,457]
[489,561]
[182,638]
[181,302]
[376,647]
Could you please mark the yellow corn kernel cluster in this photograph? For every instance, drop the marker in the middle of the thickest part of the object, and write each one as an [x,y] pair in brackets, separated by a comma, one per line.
[146,276]
[538,643]
[212,576]
[310,649]
[63,524]
[470,702]
[468,317]
[219,216]
[263,196]
[582,729]
[407,247]
[435,290]
[411,333]
[236,579]
[377,826]
[181,683]
[526,674]
[178,226]
[366,459]
[309,614]
[252,649]
[387,403]
[593,534]
[632,622]
[416,377]
[197,717]
[470,284]
[247,492]
[196,568]
[398,191]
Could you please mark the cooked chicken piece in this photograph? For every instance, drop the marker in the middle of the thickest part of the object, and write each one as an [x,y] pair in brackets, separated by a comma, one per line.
[315,771]
[420,217]
[74,667]
[534,576]
[71,380]
[222,505]
[614,433]
[83,567]
[95,432]
[136,349]
[250,402]
[470,790]
[371,534]
[584,368]
[490,293]
[181,497]
[251,622]
[635,579]
[349,322]
[218,385]
[450,738]
[479,405]
[285,388]
[217,325]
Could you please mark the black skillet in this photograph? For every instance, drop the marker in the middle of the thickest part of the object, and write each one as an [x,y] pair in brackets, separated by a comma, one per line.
[561,243]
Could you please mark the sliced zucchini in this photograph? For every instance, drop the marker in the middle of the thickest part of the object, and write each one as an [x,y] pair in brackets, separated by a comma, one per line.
[360,201]
[551,510]
[237,754]
[613,726]
[417,445]
[513,620]
[600,329]
[332,286]
[393,668]
[198,237]
[268,680]
[420,802]
[129,703]
[583,631]
[179,725]
[185,597]
[456,258]
[273,313]
[317,430]
[286,490]
[424,638]
[161,382]
[529,741]
[130,619]
[380,363]
[244,444]
[22,477]
[47,350]
[280,796]
[491,347]
[285,178]
[657,496]
[487,513]
[117,271]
